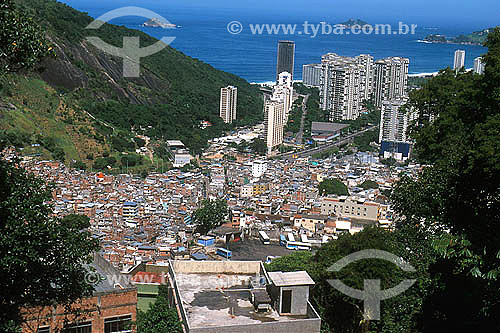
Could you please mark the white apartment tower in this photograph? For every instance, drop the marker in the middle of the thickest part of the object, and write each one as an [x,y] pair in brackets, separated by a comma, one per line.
[274,123]
[283,91]
[228,102]
[459,62]
[367,75]
[390,79]
[394,121]
[341,93]
[479,66]
[348,82]
[311,75]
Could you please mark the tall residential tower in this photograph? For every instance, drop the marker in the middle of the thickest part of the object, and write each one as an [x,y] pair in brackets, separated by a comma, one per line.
[459,61]
[286,57]
[228,101]
[394,122]
[345,84]
[390,79]
[479,65]
[274,123]
[311,75]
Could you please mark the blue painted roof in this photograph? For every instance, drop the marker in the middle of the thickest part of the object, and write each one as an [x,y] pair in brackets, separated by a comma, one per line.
[199,256]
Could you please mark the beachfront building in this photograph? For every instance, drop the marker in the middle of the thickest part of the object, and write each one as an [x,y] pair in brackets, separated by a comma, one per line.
[311,75]
[286,58]
[459,61]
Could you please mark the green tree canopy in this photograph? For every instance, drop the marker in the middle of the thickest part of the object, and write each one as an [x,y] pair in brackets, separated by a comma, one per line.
[22,41]
[160,317]
[333,186]
[341,313]
[211,215]
[457,195]
[258,146]
[42,258]
[369,184]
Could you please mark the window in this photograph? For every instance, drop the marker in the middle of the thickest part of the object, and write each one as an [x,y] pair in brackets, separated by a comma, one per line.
[117,324]
[45,329]
[84,327]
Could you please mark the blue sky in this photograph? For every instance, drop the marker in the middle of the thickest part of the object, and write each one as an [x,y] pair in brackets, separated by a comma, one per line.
[464,14]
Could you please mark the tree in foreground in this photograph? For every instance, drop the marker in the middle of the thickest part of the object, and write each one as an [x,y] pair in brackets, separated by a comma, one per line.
[341,313]
[211,215]
[42,258]
[333,186]
[456,197]
[160,317]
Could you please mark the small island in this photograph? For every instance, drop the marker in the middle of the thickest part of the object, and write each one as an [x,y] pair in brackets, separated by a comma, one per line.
[475,38]
[353,22]
[158,23]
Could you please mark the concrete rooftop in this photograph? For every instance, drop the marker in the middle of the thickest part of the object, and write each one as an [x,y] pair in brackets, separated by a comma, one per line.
[214,300]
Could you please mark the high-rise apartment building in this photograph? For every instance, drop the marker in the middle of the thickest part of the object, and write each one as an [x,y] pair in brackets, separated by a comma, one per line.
[283,91]
[286,57]
[274,123]
[340,92]
[311,75]
[459,61]
[228,102]
[390,79]
[479,65]
[367,77]
[394,121]
[347,82]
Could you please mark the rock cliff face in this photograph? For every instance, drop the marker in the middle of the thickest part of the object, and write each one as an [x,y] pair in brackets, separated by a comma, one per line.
[77,65]
[80,65]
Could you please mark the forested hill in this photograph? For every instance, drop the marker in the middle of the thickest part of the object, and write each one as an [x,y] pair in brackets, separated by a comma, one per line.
[173,94]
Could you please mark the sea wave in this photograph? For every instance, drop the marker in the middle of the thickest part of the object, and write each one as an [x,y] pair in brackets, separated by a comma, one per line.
[423,74]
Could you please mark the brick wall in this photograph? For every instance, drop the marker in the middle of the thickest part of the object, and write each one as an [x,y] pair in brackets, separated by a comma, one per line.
[94,309]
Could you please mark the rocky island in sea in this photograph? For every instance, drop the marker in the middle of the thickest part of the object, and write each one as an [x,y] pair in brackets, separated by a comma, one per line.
[158,23]
[351,23]
[475,38]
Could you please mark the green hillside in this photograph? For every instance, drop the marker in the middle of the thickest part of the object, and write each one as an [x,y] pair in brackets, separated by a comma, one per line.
[172,95]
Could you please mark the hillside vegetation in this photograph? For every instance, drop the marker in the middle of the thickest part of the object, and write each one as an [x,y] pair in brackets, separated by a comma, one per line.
[80,103]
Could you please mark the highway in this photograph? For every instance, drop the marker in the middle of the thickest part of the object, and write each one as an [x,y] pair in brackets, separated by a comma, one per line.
[309,152]
[300,134]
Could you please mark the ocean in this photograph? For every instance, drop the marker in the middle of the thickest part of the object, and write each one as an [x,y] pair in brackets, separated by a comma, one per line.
[204,35]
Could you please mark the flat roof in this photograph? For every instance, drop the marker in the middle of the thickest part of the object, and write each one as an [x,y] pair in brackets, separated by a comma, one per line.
[327,127]
[215,300]
[299,278]
[175,143]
